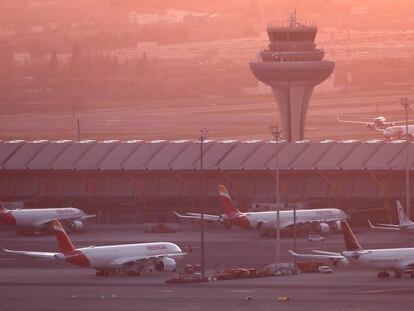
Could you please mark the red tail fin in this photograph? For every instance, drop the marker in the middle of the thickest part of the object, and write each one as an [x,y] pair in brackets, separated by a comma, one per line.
[3,210]
[64,243]
[229,209]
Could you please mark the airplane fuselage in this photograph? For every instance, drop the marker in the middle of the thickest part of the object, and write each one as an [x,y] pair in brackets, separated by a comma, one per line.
[268,220]
[398,131]
[104,257]
[35,218]
[382,259]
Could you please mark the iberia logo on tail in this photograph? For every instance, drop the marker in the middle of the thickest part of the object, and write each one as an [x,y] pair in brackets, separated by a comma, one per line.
[65,244]
[229,209]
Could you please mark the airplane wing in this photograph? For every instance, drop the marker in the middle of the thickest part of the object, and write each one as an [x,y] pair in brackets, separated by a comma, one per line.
[127,261]
[384,226]
[352,121]
[326,253]
[46,255]
[401,122]
[62,218]
[196,216]
[326,256]
[87,217]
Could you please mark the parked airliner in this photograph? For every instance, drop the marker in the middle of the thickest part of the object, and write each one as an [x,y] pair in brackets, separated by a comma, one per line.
[40,219]
[397,132]
[404,224]
[324,220]
[379,122]
[398,260]
[130,259]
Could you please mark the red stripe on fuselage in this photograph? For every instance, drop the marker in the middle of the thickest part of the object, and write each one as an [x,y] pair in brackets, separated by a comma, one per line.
[8,218]
[242,222]
[77,258]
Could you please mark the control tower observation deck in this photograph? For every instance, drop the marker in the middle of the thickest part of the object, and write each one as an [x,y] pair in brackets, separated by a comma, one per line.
[292,66]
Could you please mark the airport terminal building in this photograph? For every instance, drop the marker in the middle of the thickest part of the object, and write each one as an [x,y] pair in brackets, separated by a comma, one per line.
[135,180]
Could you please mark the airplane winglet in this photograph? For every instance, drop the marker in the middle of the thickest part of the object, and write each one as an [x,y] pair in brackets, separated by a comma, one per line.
[293,253]
[178,214]
[370,224]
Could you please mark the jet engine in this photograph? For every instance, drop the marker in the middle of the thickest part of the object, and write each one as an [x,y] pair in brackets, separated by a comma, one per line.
[336,226]
[166,265]
[76,226]
[324,228]
[340,262]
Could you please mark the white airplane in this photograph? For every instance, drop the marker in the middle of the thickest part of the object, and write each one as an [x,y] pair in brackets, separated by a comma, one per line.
[379,122]
[404,224]
[323,219]
[34,220]
[398,260]
[130,259]
[397,131]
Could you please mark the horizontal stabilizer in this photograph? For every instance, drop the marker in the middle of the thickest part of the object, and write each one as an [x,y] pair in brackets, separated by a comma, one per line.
[47,255]
[383,226]
[317,256]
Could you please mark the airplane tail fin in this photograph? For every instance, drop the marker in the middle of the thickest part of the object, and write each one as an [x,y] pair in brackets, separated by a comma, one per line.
[351,242]
[3,210]
[64,243]
[229,209]
[402,216]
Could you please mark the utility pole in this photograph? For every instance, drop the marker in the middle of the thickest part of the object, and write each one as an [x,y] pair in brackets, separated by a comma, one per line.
[78,124]
[203,136]
[295,263]
[405,103]
[276,134]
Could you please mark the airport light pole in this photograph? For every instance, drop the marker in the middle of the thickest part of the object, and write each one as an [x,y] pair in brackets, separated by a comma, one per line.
[294,240]
[203,136]
[276,134]
[405,103]
[78,124]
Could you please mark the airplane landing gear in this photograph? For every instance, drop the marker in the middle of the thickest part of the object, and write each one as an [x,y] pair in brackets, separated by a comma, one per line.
[102,273]
[383,274]
[134,273]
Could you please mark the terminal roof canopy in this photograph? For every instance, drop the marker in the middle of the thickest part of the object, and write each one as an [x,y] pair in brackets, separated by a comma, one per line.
[359,156]
[145,153]
[217,155]
[24,155]
[48,154]
[8,148]
[91,158]
[68,158]
[119,154]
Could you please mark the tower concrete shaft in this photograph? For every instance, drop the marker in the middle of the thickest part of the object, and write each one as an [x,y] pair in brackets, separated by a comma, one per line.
[292,67]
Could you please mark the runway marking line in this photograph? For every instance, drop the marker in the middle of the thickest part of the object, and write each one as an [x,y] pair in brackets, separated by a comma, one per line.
[242,291]
[390,290]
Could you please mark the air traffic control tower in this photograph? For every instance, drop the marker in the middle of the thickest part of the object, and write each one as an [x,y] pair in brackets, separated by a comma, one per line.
[292,66]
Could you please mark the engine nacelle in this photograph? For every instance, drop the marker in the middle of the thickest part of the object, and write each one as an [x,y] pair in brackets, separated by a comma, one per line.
[76,226]
[336,226]
[340,262]
[166,265]
[324,228]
